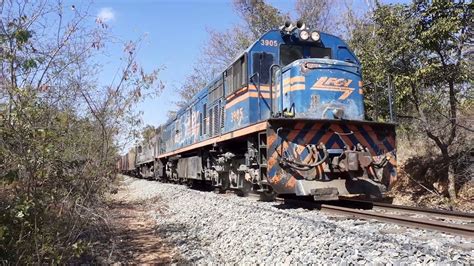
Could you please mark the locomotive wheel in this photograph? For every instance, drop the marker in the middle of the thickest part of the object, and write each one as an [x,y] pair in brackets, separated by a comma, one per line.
[189,183]
[267,195]
[245,190]
[225,184]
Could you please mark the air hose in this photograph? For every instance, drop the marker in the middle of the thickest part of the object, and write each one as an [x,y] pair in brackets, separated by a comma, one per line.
[304,166]
[381,164]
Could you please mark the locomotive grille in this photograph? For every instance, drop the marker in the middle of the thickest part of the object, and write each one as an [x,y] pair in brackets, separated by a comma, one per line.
[211,119]
[222,116]
[216,125]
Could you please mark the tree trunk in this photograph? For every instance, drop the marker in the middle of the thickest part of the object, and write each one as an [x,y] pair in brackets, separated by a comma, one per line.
[451,182]
[451,174]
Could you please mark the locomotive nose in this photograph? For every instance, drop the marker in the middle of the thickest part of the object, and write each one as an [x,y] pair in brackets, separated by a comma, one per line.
[321,89]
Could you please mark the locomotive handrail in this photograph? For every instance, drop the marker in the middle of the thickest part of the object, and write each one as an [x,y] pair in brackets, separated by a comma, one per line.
[271,86]
[257,74]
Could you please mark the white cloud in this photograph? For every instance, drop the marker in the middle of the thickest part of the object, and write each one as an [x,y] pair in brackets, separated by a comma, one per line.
[106,14]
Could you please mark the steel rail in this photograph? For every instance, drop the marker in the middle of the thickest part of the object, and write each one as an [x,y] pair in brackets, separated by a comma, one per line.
[418,210]
[420,223]
[459,229]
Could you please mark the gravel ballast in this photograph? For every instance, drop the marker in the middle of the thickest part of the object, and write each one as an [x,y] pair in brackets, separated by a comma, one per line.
[210,228]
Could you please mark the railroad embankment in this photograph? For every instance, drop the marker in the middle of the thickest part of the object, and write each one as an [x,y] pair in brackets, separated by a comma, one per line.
[154,222]
[132,236]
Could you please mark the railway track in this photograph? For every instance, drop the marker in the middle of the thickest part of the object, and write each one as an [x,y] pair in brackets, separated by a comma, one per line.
[430,219]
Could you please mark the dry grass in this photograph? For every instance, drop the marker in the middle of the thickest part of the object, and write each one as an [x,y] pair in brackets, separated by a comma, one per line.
[420,182]
[132,238]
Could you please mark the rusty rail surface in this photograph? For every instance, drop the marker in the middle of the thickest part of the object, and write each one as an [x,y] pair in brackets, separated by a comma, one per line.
[459,229]
[465,230]
[416,210]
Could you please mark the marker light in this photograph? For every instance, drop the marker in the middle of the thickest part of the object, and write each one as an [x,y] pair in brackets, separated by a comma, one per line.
[315,36]
[304,35]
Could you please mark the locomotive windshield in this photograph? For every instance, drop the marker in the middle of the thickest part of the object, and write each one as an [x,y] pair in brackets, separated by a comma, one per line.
[290,53]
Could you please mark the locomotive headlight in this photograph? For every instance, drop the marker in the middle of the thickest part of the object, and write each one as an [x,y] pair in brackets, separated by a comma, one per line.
[304,35]
[315,36]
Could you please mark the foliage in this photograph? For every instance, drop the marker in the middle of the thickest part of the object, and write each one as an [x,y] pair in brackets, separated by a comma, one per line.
[148,132]
[257,17]
[223,47]
[424,47]
[58,128]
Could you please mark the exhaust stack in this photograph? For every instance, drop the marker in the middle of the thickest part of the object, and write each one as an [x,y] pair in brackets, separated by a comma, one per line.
[288,27]
[300,25]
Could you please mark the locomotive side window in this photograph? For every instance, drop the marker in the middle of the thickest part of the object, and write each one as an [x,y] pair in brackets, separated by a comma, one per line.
[204,111]
[216,91]
[239,68]
[237,72]
[211,118]
[320,52]
[290,53]
[235,76]
[190,117]
[228,81]
[261,65]
[200,124]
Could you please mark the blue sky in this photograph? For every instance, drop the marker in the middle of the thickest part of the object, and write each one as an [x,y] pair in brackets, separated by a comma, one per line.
[176,33]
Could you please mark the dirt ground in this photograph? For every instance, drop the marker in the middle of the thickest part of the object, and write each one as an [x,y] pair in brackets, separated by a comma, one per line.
[132,238]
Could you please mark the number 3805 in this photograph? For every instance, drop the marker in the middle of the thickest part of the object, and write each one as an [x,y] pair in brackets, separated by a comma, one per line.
[269,42]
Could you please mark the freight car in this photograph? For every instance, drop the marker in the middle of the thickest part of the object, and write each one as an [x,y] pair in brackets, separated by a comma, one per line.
[127,163]
[286,117]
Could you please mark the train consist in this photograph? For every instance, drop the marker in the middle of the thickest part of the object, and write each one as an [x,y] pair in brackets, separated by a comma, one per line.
[286,117]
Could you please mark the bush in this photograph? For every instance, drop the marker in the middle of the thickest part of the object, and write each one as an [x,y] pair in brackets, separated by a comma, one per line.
[59,129]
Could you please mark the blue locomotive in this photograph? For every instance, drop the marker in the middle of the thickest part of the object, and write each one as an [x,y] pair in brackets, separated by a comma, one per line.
[286,117]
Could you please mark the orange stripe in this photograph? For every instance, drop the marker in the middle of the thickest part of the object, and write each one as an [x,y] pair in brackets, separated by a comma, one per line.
[291,183]
[299,125]
[292,135]
[294,80]
[236,94]
[373,135]
[237,100]
[309,136]
[270,139]
[234,134]
[244,97]
[256,95]
[327,136]
[296,87]
[346,138]
[262,88]
[298,79]
[392,141]
[271,162]
[236,97]
[361,138]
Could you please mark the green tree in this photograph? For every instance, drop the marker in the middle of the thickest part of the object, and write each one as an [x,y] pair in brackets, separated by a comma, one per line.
[425,47]
[257,17]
